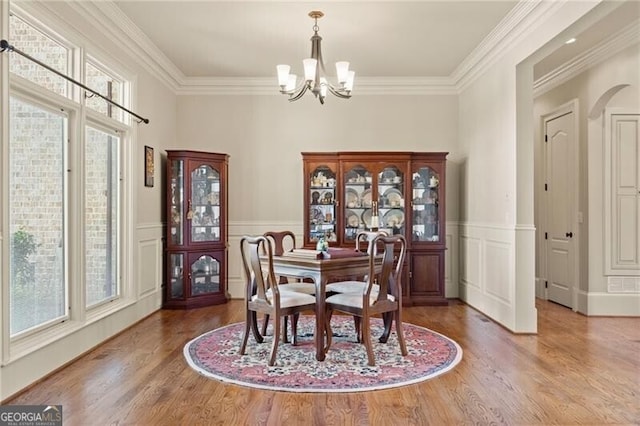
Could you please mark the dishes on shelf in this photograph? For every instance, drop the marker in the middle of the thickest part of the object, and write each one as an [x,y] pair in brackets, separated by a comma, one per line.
[352,220]
[351,198]
[394,218]
[366,218]
[366,198]
[394,197]
[387,176]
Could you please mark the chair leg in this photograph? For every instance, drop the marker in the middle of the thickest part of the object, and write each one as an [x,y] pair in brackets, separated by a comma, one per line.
[366,337]
[247,330]
[265,323]
[387,319]
[285,329]
[357,324]
[254,327]
[294,328]
[400,333]
[276,341]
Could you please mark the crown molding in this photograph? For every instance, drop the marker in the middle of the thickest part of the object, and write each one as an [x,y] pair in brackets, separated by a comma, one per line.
[612,45]
[519,22]
[113,23]
[365,86]
[109,19]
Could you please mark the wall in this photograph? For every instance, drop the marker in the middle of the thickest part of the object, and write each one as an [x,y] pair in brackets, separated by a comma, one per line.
[587,88]
[497,234]
[264,136]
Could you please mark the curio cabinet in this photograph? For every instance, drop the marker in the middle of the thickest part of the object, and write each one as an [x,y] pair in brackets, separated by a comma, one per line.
[196,240]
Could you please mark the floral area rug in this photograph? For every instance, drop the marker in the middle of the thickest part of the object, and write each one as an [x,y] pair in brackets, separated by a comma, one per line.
[216,355]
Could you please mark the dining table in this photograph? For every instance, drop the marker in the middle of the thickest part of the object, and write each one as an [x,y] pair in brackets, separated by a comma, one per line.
[338,264]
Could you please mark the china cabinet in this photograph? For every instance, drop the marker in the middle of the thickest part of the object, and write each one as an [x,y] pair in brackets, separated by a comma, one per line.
[196,240]
[398,192]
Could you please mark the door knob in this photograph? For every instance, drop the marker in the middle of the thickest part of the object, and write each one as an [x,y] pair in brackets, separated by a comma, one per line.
[569,235]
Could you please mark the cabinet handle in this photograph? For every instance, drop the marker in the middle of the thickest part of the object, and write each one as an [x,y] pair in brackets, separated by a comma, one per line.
[189,212]
[569,234]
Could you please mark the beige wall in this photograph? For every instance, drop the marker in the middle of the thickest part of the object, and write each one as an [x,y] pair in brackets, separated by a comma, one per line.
[264,136]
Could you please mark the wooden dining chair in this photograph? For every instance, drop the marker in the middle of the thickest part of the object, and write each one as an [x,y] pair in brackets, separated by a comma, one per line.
[349,286]
[263,294]
[387,301]
[281,241]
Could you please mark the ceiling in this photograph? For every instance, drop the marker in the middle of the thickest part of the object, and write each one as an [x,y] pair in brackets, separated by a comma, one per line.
[380,39]
[385,39]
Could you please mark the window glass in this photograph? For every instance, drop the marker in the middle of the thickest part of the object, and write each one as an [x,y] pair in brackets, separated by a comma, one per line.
[38,45]
[101,215]
[38,292]
[108,86]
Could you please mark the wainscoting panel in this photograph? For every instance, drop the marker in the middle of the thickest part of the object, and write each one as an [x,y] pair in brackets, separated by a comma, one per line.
[487,276]
[149,260]
[470,261]
[497,276]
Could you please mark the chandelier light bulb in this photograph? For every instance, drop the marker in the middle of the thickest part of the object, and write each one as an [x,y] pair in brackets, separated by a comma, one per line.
[283,74]
[310,65]
[324,85]
[342,71]
[291,83]
[349,83]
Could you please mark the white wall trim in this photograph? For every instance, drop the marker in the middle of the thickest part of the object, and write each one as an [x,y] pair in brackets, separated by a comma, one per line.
[612,304]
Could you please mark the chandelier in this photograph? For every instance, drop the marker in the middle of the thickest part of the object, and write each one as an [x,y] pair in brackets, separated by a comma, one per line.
[314,73]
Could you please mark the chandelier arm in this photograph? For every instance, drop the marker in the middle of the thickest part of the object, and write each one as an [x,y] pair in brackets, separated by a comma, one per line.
[339,92]
[303,90]
[295,90]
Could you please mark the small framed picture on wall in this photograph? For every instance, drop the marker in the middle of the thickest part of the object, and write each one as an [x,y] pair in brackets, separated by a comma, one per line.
[148,166]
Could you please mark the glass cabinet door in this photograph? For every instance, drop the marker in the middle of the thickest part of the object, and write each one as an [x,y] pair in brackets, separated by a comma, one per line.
[425,195]
[322,204]
[358,201]
[391,200]
[204,211]
[176,198]
[205,275]
[176,277]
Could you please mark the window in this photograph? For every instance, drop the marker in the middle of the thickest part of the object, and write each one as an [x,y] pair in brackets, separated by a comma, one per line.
[36,216]
[101,215]
[66,192]
[42,47]
[108,85]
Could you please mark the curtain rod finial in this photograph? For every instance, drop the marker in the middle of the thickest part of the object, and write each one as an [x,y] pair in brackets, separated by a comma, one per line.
[4,45]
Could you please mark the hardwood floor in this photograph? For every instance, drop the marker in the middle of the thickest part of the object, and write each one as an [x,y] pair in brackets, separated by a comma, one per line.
[576,370]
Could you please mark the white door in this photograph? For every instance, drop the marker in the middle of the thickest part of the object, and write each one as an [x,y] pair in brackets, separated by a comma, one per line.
[560,189]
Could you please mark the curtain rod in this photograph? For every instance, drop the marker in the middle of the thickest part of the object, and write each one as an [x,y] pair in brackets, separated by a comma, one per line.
[4,45]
